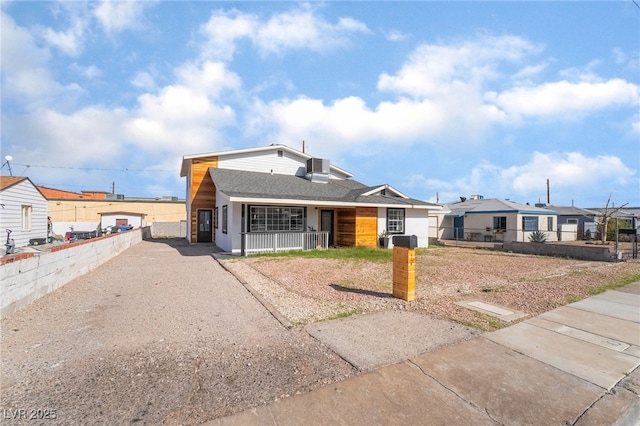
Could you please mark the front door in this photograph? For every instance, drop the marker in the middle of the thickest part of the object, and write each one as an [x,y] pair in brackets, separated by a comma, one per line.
[326,224]
[204,226]
[458,228]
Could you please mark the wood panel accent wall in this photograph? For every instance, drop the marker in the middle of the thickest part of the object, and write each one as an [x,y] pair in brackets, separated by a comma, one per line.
[357,227]
[202,191]
[346,228]
[366,227]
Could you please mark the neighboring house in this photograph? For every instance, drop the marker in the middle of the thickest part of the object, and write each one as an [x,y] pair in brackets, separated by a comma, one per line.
[583,219]
[87,210]
[276,197]
[628,217]
[492,219]
[23,210]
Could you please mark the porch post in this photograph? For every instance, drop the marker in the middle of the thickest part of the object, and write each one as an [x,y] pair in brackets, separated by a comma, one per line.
[243,235]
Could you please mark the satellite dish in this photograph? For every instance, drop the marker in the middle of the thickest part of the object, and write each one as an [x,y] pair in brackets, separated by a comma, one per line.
[8,157]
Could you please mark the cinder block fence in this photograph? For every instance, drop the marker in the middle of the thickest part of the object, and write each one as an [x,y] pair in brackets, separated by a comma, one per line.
[26,277]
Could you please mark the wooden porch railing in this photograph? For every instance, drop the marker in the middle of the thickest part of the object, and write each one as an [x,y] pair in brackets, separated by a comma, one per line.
[265,242]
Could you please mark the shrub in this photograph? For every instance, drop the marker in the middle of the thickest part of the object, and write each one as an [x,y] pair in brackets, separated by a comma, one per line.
[538,237]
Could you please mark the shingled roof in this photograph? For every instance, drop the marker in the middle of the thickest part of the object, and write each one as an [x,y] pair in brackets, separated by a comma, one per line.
[246,185]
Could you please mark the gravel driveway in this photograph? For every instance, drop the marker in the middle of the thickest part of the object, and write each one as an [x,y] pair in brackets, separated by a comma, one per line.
[159,335]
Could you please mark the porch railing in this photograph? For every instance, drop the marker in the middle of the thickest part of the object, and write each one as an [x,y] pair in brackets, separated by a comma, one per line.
[265,242]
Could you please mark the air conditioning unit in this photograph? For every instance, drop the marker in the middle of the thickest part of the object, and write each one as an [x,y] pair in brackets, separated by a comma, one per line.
[317,165]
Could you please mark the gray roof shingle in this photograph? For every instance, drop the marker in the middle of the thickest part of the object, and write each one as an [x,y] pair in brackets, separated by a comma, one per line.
[244,184]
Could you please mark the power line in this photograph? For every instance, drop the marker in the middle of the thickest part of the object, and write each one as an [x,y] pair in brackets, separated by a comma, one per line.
[637,5]
[96,169]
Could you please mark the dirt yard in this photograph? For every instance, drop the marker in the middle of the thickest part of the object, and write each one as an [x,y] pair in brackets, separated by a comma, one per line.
[308,290]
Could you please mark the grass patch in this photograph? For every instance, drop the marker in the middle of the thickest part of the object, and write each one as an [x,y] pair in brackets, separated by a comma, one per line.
[344,314]
[349,253]
[571,298]
[484,322]
[615,284]
[355,253]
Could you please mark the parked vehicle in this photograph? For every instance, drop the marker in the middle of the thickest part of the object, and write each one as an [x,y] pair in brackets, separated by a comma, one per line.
[121,228]
[80,235]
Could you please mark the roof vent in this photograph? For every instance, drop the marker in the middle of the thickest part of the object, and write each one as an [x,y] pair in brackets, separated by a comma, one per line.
[318,170]
[317,165]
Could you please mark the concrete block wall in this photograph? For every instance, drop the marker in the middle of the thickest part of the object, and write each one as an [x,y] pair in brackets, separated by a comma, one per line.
[28,277]
[600,254]
[169,229]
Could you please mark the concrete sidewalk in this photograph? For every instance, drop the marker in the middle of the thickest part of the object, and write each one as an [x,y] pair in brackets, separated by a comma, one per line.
[575,365]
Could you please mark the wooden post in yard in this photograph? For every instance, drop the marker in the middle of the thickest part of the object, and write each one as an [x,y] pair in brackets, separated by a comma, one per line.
[404,270]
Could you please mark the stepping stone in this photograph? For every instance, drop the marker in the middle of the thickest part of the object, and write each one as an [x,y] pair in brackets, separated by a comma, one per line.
[505,314]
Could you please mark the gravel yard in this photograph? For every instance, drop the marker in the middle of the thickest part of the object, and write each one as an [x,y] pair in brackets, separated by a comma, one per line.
[307,290]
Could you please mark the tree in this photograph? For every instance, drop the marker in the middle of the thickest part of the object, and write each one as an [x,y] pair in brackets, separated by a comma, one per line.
[606,215]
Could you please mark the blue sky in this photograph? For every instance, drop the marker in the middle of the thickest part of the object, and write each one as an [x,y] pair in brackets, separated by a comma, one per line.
[438,99]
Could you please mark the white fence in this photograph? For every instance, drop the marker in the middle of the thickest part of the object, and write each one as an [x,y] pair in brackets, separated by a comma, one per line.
[264,242]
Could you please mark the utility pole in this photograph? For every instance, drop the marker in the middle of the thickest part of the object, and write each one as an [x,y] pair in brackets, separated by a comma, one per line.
[548,193]
[113,187]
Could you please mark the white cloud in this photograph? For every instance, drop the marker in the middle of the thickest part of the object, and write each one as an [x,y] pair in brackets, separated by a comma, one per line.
[70,40]
[144,80]
[188,112]
[25,71]
[117,16]
[567,170]
[563,98]
[530,71]
[89,72]
[438,70]
[570,174]
[299,29]
[395,35]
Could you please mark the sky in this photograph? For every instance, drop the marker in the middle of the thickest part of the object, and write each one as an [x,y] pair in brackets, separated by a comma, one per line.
[440,100]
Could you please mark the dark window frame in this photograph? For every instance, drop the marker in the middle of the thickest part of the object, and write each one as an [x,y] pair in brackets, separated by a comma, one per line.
[269,218]
[500,223]
[225,219]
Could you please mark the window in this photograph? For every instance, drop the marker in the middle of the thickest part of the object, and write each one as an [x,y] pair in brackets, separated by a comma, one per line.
[395,221]
[529,223]
[274,219]
[26,218]
[500,223]
[280,153]
[215,218]
[224,219]
[572,221]
[550,223]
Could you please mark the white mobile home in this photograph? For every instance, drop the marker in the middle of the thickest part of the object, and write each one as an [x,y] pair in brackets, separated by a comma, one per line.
[23,210]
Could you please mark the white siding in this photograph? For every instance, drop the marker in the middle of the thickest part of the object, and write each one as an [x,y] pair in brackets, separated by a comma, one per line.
[11,201]
[264,162]
[416,222]
[268,161]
